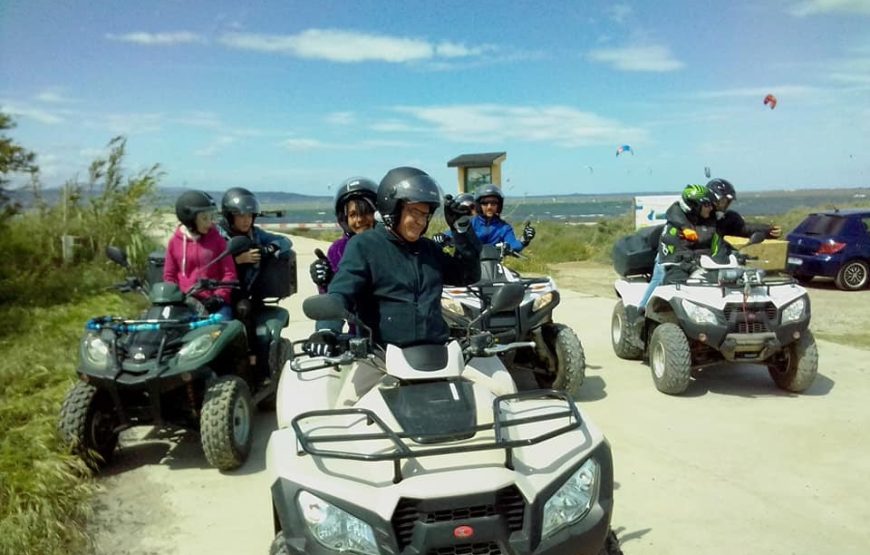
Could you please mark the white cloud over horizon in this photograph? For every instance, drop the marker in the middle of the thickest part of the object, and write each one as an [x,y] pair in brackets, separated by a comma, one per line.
[348,46]
[159,39]
[816,7]
[653,58]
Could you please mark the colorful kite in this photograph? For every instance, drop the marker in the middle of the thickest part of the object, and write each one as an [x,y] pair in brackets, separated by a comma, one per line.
[770,100]
[624,148]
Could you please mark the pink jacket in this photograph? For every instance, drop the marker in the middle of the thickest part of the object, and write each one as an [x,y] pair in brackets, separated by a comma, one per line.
[187,254]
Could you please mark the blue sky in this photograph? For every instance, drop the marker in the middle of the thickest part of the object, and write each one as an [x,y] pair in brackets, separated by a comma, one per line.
[296,96]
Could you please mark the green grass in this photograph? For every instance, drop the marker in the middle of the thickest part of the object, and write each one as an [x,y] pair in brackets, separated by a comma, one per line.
[44,492]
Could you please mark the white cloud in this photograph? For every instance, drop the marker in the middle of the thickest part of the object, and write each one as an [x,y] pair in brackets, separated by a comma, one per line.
[215,147]
[814,7]
[53,96]
[348,46]
[47,117]
[558,125]
[133,124]
[761,92]
[304,144]
[619,12]
[158,39]
[341,118]
[395,126]
[638,58]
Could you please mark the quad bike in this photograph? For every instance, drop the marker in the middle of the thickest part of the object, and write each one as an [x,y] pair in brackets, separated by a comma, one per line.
[724,311]
[440,454]
[176,365]
[557,360]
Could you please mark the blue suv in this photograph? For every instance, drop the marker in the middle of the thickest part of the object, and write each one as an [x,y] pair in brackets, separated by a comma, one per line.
[833,244]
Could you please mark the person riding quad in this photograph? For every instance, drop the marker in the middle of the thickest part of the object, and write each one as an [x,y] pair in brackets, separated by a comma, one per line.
[392,276]
[488,225]
[729,222]
[195,243]
[355,213]
[695,205]
[240,208]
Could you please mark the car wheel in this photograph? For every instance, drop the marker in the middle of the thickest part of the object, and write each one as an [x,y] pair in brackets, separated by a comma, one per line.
[795,368]
[623,335]
[669,359]
[853,275]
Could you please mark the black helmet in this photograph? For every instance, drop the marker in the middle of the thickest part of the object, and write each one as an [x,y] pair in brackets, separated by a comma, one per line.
[191,203]
[238,200]
[354,188]
[721,188]
[489,191]
[404,185]
[466,200]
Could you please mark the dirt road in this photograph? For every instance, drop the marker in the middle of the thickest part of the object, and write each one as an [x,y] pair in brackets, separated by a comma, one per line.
[732,466]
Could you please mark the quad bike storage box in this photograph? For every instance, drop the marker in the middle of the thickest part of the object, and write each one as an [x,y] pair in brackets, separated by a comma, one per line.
[772,253]
[635,254]
[277,278]
[154,271]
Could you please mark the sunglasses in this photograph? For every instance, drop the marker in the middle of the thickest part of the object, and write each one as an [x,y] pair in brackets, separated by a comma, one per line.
[489,202]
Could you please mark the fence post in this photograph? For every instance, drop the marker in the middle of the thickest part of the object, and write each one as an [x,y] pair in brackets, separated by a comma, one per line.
[67,242]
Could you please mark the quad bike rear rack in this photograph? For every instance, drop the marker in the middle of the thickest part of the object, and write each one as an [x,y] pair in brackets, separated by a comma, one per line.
[402,449]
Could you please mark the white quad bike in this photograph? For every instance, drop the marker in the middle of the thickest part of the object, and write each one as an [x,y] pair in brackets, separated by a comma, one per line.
[725,311]
[440,454]
[557,360]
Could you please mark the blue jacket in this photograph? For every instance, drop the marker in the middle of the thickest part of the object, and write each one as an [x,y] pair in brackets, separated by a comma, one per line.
[494,231]
[260,238]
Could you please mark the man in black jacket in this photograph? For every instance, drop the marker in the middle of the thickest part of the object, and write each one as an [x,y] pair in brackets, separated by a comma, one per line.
[392,277]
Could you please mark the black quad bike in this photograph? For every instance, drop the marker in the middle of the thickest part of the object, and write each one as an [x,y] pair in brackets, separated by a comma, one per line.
[557,360]
[176,365]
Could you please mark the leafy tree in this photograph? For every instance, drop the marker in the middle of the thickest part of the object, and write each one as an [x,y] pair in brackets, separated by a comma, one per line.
[14,158]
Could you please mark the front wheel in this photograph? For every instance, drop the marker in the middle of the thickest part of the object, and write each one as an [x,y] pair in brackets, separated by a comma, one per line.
[669,359]
[623,334]
[795,368]
[853,275]
[226,424]
[570,370]
[88,424]
[611,545]
[279,546]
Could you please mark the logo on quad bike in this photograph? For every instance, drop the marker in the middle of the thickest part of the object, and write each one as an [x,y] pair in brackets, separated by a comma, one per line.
[463,532]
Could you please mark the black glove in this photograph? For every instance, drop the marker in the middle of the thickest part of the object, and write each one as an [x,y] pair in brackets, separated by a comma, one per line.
[457,216]
[321,272]
[528,234]
[321,343]
[441,239]
[213,303]
[271,250]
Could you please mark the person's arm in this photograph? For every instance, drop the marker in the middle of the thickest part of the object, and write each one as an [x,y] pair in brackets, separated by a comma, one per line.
[353,276]
[228,273]
[508,237]
[267,239]
[463,267]
[732,223]
[170,267]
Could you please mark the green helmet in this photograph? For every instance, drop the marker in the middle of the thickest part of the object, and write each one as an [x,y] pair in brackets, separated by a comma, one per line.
[693,197]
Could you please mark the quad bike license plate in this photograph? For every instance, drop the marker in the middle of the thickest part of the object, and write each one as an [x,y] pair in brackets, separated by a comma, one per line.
[795,261]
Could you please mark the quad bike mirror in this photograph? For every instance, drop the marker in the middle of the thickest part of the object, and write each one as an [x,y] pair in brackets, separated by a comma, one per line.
[508,296]
[323,307]
[117,255]
[236,245]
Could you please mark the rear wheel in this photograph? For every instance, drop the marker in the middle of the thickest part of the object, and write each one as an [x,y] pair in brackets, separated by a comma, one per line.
[623,334]
[570,367]
[669,359]
[795,368]
[226,424]
[88,424]
[853,275]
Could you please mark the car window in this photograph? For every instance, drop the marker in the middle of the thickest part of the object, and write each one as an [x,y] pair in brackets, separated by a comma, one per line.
[823,224]
[866,221]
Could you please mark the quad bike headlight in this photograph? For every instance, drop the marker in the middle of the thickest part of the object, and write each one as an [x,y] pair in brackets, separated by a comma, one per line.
[542,301]
[95,352]
[794,312]
[451,305]
[335,528]
[573,500]
[698,313]
[199,346]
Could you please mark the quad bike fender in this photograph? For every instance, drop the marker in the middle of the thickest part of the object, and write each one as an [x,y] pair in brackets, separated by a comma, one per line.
[300,392]
[230,338]
[630,291]
[490,373]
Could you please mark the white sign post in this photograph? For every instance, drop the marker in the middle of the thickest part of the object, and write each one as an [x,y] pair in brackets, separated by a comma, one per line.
[649,211]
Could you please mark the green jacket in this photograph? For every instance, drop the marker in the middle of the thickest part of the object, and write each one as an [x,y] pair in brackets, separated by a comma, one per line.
[395,286]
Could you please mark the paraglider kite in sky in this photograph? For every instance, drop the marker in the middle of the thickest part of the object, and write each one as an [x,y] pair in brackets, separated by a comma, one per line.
[624,148]
[770,100]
